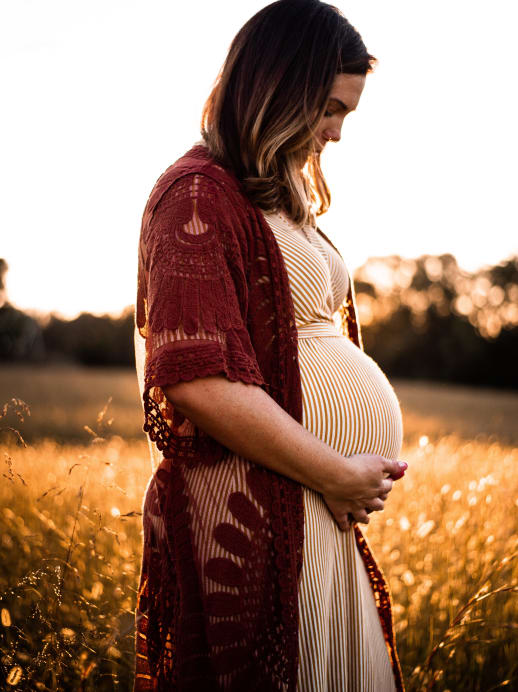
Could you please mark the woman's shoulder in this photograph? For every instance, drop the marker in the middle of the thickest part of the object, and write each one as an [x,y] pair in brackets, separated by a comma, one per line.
[197,191]
[197,163]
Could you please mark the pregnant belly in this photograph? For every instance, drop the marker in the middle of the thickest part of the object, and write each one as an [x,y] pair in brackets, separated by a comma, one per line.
[348,401]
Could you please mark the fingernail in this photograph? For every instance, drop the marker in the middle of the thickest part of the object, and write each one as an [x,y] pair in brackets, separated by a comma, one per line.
[403,465]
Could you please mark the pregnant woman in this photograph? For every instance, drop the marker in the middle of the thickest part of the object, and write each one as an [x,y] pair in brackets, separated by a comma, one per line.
[272,434]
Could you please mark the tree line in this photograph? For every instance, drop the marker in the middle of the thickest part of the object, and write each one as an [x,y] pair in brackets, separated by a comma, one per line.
[421,318]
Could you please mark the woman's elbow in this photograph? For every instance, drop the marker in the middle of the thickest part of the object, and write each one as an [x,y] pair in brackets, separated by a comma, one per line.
[179,393]
[185,395]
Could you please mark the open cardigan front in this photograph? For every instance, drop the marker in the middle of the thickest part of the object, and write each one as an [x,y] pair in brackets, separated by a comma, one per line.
[218,609]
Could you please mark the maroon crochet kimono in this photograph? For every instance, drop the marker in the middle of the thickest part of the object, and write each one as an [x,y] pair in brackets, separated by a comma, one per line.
[217,602]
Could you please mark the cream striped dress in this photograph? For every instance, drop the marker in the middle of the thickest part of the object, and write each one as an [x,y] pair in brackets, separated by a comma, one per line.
[349,404]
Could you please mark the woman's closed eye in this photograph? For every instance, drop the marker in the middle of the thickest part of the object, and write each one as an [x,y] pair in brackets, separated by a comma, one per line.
[336,111]
[335,106]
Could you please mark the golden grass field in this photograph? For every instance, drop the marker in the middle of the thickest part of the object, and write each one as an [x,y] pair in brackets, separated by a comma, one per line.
[70,536]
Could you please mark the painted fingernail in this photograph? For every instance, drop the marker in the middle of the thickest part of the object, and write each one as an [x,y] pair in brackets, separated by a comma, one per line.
[403,465]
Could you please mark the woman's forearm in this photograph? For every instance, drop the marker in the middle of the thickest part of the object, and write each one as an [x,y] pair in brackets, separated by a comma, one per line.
[244,418]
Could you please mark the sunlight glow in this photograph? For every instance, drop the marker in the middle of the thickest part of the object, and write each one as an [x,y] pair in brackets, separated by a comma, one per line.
[100,103]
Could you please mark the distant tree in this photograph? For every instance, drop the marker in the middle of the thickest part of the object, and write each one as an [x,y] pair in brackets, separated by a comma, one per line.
[92,340]
[20,335]
[427,318]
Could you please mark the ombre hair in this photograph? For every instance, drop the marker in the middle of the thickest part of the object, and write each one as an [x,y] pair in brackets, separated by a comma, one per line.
[269,96]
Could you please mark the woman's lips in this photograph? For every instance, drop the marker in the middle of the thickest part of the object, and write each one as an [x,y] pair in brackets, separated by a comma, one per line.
[321,143]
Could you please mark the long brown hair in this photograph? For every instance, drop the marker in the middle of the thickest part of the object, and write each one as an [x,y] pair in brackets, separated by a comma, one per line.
[270,94]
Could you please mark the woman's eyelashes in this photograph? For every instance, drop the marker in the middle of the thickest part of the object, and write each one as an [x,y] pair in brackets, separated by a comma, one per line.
[329,113]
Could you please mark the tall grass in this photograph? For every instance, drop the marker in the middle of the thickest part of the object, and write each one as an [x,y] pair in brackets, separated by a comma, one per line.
[70,549]
[70,546]
[447,543]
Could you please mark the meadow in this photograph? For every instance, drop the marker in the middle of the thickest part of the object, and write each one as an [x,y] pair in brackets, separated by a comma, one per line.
[73,480]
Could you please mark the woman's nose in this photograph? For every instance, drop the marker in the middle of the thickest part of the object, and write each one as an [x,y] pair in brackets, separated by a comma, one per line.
[332,134]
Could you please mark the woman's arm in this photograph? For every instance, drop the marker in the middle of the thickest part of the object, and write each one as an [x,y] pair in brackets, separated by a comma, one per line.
[244,418]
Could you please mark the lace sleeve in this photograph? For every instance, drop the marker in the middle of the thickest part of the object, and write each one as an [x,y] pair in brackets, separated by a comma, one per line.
[191,306]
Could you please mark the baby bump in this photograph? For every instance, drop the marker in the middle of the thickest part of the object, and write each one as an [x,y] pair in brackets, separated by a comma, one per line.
[347,400]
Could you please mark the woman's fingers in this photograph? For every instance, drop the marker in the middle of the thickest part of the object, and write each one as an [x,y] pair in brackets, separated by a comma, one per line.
[376,504]
[395,469]
[361,516]
[341,512]
[344,522]
[386,485]
[345,512]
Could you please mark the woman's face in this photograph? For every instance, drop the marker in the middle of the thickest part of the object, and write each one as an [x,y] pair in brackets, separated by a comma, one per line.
[343,98]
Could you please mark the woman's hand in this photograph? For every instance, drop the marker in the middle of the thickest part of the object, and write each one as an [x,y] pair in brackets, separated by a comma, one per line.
[346,513]
[373,482]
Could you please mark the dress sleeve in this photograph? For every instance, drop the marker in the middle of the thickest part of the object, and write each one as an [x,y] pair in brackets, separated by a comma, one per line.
[191,306]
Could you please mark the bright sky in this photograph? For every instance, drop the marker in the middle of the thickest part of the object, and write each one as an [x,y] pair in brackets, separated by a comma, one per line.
[100,96]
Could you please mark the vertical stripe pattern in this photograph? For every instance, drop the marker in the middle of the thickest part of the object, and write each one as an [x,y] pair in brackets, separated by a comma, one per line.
[349,404]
